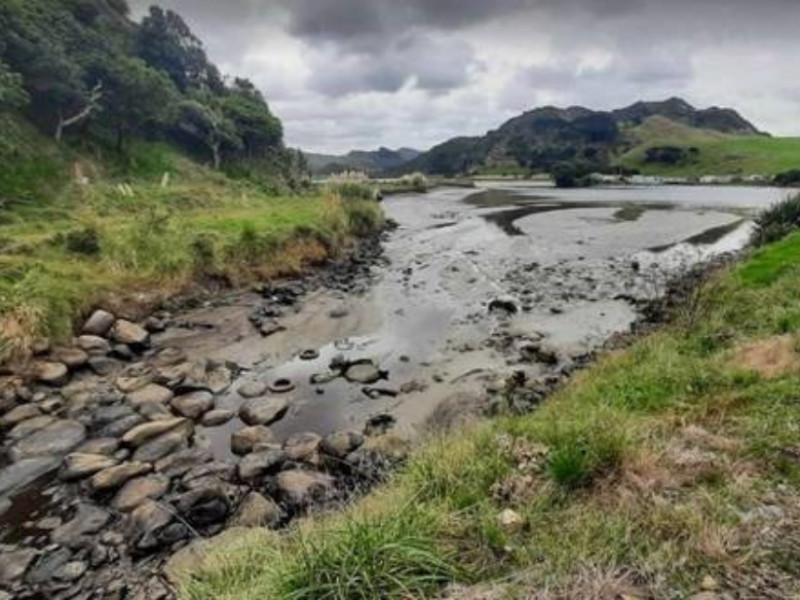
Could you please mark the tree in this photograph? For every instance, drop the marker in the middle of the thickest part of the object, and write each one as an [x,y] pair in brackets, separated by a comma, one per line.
[134,95]
[165,42]
[203,120]
[12,94]
[256,126]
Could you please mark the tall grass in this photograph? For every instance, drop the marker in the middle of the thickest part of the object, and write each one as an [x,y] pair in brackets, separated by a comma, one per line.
[777,221]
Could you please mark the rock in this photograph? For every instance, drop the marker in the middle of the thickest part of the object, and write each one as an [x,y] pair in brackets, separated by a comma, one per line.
[270,327]
[301,488]
[24,472]
[155,325]
[342,443]
[72,571]
[29,426]
[155,411]
[94,345]
[102,365]
[108,414]
[18,415]
[215,418]
[205,506]
[133,380]
[257,511]
[88,520]
[121,426]
[122,352]
[146,524]
[709,584]
[56,438]
[509,520]
[73,358]
[45,568]
[80,466]
[193,405]
[99,323]
[136,491]
[130,334]
[379,424]
[537,352]
[365,372]
[323,378]
[207,376]
[51,373]
[303,447]
[147,431]
[252,389]
[151,393]
[163,445]
[14,564]
[245,440]
[505,305]
[114,477]
[173,376]
[102,446]
[705,596]
[258,464]
[178,463]
[263,411]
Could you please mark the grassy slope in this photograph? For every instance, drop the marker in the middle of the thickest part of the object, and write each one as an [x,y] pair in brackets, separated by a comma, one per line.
[155,239]
[720,154]
[647,472]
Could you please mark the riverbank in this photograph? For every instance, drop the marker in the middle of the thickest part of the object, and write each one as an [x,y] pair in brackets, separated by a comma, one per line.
[667,469]
[131,246]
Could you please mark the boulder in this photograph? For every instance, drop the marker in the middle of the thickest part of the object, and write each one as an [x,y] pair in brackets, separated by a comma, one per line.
[135,491]
[256,465]
[263,411]
[99,323]
[364,372]
[193,405]
[14,564]
[114,477]
[299,489]
[79,465]
[130,334]
[51,373]
[73,358]
[147,524]
[88,520]
[215,418]
[257,511]
[147,431]
[252,389]
[245,440]
[29,426]
[342,443]
[205,505]
[303,447]
[94,345]
[163,445]
[150,393]
[19,414]
[56,438]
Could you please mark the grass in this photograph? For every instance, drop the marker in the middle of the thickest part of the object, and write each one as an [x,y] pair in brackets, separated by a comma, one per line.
[68,250]
[720,155]
[640,476]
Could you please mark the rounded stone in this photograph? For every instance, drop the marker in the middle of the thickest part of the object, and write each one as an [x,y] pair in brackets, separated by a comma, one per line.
[99,323]
[252,389]
[263,411]
[193,405]
[215,418]
[245,440]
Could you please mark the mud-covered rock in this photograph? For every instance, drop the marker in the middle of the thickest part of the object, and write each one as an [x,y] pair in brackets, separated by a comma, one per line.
[245,440]
[303,447]
[147,431]
[130,334]
[194,404]
[217,417]
[263,411]
[114,477]
[205,506]
[56,438]
[99,323]
[55,374]
[298,489]
[151,393]
[257,510]
[135,491]
[165,444]
[88,520]
[341,443]
[80,465]
[256,465]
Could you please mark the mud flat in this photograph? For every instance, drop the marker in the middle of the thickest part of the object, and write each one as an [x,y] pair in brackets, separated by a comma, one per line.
[254,407]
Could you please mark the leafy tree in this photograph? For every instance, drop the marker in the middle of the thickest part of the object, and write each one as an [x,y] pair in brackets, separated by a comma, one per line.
[12,94]
[258,129]
[203,120]
[135,95]
[166,42]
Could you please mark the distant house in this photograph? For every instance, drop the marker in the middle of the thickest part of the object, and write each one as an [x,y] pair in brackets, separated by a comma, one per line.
[646,180]
[717,179]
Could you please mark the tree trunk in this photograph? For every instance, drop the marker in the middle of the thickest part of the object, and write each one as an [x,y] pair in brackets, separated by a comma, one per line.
[217,156]
[59,129]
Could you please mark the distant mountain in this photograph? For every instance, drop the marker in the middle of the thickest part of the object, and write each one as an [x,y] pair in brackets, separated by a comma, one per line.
[541,138]
[374,162]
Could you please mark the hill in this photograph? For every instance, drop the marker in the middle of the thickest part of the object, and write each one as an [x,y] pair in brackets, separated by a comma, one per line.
[374,162]
[649,137]
[130,165]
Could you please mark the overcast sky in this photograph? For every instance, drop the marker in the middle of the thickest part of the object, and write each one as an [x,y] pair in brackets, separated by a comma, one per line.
[346,74]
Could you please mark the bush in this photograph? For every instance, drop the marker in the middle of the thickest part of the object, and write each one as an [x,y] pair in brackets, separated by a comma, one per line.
[85,241]
[416,181]
[777,221]
[352,190]
[789,178]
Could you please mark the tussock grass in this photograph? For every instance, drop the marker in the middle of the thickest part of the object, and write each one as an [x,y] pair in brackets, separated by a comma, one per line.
[643,468]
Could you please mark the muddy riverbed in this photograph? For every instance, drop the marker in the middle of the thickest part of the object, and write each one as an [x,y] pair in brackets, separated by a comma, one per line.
[472,287]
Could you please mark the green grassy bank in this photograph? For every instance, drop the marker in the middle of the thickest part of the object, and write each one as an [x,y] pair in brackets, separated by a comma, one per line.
[667,468]
[66,246]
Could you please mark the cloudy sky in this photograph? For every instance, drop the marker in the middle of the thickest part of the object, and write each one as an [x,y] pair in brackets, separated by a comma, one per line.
[346,74]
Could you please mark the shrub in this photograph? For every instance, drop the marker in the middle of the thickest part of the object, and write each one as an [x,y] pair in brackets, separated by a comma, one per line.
[789,178]
[777,221]
[570,175]
[85,241]
[416,181]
